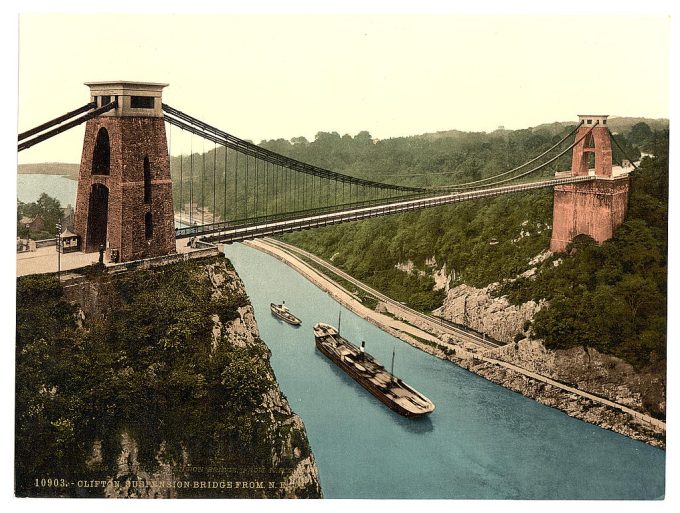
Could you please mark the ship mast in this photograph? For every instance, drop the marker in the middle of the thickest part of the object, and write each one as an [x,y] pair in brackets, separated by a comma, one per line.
[392,371]
[339,317]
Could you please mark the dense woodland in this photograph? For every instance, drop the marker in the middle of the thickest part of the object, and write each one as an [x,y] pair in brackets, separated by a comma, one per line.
[147,367]
[213,179]
[481,242]
[611,297]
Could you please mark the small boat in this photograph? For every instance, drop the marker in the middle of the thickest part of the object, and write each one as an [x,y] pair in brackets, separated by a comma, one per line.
[281,311]
[370,374]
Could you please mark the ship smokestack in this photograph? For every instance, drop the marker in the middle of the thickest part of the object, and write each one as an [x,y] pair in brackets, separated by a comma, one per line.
[363,348]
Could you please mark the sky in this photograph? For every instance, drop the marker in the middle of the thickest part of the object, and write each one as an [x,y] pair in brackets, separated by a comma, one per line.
[264,76]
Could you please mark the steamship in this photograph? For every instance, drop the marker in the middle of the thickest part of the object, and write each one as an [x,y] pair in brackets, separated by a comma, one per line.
[281,311]
[370,374]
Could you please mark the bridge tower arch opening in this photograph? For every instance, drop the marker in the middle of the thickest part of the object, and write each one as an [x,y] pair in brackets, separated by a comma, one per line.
[101,156]
[125,154]
[97,219]
[596,207]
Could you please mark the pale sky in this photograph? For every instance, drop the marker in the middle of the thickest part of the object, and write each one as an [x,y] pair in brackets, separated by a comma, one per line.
[266,76]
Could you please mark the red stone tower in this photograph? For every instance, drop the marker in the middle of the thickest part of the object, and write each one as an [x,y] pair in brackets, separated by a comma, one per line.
[596,207]
[124,199]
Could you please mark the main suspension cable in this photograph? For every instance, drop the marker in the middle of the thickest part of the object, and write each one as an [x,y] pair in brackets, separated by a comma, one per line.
[43,137]
[214,134]
[56,121]
[467,184]
[541,166]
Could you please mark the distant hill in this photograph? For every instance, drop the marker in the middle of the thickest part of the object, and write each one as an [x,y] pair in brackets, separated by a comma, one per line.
[625,124]
[616,124]
[50,168]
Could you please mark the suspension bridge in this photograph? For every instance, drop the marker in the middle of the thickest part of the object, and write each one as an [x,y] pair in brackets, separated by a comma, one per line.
[136,200]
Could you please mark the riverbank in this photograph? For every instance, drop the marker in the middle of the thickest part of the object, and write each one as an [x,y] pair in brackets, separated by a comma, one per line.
[470,354]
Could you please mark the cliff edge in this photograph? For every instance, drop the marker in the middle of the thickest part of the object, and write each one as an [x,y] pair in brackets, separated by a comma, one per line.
[151,383]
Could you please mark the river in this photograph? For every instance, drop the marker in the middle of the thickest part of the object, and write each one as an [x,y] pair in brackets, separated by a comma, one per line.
[30,187]
[481,442]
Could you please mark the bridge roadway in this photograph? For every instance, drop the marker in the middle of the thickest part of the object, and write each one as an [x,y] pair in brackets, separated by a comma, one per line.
[227,233]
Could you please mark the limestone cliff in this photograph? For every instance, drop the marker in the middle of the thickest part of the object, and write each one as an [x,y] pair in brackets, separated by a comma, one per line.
[175,395]
[493,316]
[604,375]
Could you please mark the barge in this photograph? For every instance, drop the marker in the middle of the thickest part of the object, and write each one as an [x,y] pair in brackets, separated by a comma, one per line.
[370,374]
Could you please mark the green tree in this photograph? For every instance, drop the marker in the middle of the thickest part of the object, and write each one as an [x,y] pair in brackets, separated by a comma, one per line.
[641,134]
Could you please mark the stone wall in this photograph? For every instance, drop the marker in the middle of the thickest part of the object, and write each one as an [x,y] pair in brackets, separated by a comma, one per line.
[131,140]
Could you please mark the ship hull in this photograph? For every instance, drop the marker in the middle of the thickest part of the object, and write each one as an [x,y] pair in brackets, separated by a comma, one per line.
[364,382]
[290,318]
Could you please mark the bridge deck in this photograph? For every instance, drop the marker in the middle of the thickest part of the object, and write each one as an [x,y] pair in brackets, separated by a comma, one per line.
[223,232]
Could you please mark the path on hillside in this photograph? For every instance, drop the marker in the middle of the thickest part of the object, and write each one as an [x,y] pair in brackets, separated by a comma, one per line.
[434,324]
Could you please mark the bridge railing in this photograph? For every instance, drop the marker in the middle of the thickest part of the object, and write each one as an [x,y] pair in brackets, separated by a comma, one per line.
[243,223]
[250,231]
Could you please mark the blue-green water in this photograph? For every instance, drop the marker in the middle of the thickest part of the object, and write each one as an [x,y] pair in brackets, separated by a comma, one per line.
[482,441]
[30,187]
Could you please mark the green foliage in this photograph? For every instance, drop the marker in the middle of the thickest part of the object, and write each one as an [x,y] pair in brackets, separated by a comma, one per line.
[481,242]
[611,297]
[148,367]
[48,208]
[641,135]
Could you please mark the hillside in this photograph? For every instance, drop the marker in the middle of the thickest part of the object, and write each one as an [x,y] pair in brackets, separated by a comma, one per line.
[50,168]
[615,123]
[495,240]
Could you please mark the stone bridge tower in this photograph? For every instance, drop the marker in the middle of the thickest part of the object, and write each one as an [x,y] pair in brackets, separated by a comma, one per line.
[124,198]
[595,208]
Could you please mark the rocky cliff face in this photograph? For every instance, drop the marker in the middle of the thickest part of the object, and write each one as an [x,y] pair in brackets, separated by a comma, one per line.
[604,375]
[479,310]
[573,405]
[587,369]
[205,419]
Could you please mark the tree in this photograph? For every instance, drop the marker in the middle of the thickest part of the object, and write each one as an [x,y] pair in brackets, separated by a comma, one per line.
[46,207]
[363,137]
[641,134]
[300,140]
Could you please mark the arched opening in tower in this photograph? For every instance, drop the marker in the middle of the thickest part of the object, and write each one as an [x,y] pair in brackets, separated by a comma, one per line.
[590,155]
[97,218]
[148,226]
[147,181]
[101,156]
